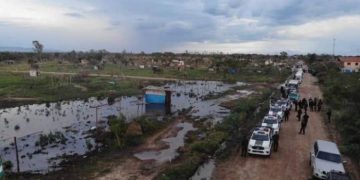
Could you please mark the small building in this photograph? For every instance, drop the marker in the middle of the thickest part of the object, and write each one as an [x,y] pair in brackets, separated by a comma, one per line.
[34,72]
[84,62]
[350,64]
[269,62]
[9,61]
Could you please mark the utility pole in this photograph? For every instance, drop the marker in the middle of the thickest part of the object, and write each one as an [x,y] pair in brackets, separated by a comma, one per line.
[96,109]
[334,43]
[17,156]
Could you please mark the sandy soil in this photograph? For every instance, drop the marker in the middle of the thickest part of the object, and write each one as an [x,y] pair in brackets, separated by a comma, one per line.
[292,159]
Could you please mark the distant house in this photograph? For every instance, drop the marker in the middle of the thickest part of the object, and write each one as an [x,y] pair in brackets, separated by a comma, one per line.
[269,61]
[350,64]
[84,62]
[9,62]
[34,70]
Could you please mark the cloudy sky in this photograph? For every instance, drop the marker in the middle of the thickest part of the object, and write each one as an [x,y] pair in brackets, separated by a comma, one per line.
[241,26]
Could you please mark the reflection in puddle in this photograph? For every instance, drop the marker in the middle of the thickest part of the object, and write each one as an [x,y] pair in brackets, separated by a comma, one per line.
[204,172]
[173,142]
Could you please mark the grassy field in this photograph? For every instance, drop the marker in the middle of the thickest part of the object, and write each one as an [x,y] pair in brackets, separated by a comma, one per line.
[19,87]
[53,88]
[248,74]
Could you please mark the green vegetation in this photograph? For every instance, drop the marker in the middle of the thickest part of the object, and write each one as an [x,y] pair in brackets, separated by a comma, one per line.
[46,139]
[341,93]
[243,71]
[118,128]
[123,135]
[54,88]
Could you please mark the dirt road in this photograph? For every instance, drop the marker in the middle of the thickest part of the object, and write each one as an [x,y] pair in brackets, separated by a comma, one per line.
[292,159]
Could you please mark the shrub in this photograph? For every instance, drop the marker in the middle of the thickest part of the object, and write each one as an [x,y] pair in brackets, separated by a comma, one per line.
[182,171]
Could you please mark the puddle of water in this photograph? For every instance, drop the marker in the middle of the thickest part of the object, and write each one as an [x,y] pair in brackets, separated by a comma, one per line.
[173,142]
[74,119]
[204,172]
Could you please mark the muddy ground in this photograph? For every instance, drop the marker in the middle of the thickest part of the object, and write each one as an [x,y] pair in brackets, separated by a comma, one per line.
[132,168]
[291,162]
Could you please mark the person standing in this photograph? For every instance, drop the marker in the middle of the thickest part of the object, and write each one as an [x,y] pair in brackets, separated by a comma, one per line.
[296,104]
[300,104]
[311,104]
[305,105]
[286,114]
[315,103]
[299,114]
[304,123]
[276,141]
[328,113]
[282,91]
[319,104]
[244,145]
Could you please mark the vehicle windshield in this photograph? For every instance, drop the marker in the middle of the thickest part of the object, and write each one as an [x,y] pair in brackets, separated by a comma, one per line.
[260,137]
[275,109]
[270,121]
[329,157]
[282,102]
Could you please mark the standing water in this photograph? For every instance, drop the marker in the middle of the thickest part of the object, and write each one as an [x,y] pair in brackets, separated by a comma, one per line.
[71,122]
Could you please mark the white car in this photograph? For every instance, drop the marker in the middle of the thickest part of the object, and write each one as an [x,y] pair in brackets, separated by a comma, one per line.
[324,158]
[284,103]
[271,121]
[292,84]
[260,142]
[276,110]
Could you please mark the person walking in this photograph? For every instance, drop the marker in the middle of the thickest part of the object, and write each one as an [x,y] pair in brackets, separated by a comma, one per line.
[315,103]
[319,104]
[286,114]
[328,113]
[244,145]
[299,112]
[276,141]
[304,123]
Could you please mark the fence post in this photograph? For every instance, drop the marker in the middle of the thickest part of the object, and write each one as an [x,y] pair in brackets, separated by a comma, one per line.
[17,155]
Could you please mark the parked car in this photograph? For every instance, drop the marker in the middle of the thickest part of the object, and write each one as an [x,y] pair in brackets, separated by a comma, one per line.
[2,174]
[293,84]
[324,158]
[333,175]
[276,110]
[284,103]
[294,96]
[260,142]
[271,121]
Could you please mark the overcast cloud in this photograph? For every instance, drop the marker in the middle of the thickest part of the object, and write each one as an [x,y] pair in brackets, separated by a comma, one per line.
[234,26]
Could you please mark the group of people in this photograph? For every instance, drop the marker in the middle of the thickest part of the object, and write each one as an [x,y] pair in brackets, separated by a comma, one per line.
[313,104]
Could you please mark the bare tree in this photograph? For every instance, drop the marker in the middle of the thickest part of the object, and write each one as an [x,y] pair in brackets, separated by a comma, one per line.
[38,48]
